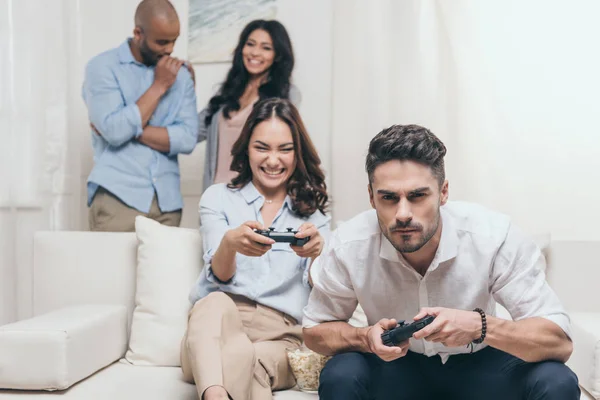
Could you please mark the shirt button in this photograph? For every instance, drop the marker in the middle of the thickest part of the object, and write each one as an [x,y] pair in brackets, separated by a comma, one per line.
[153,179]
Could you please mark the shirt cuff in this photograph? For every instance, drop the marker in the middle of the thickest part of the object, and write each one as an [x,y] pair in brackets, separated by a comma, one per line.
[308,323]
[178,141]
[135,118]
[210,275]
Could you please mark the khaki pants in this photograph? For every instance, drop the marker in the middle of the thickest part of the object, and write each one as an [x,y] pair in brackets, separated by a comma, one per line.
[236,343]
[109,214]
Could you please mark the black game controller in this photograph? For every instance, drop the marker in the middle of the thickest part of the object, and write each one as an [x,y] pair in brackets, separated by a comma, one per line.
[403,331]
[283,237]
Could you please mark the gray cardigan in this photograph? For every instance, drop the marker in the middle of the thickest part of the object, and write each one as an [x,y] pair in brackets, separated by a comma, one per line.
[210,133]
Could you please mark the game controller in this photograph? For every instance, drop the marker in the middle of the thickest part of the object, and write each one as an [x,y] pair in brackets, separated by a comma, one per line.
[283,237]
[403,331]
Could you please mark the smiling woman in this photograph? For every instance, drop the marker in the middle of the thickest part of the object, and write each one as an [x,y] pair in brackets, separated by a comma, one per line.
[276,153]
[262,67]
[252,290]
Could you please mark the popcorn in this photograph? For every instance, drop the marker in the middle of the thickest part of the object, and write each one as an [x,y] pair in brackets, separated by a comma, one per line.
[306,366]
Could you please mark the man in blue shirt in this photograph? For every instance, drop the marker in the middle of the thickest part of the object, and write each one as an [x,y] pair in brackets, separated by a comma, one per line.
[142,107]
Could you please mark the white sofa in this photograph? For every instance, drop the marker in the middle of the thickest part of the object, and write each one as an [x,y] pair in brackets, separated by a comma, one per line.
[83,298]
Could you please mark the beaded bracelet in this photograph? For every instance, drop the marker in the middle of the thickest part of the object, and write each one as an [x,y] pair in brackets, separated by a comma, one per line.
[483,326]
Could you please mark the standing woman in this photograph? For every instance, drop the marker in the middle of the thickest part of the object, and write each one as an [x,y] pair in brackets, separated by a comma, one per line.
[262,67]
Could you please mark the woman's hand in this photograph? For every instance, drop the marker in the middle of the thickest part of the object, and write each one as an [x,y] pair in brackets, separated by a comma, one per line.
[245,241]
[312,248]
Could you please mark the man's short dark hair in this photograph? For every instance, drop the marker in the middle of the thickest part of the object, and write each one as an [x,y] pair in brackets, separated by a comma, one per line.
[407,143]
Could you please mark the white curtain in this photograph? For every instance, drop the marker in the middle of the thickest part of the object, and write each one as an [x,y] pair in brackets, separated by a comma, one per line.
[39,177]
[511,87]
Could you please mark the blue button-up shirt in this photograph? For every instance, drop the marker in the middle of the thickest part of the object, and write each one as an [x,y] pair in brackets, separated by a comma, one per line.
[278,279]
[114,82]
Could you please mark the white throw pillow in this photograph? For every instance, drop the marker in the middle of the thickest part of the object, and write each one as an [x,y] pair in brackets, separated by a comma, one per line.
[168,264]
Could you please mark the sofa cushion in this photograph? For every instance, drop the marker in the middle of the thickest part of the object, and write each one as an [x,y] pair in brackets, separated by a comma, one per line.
[169,261]
[585,360]
[122,381]
[74,268]
[55,350]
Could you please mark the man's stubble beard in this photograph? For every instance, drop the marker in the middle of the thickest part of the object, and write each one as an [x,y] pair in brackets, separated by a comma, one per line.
[149,58]
[411,248]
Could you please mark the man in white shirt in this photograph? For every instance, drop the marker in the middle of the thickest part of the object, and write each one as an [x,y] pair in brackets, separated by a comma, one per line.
[417,254]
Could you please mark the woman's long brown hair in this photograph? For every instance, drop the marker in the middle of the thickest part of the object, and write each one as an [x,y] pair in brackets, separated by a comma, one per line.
[306,186]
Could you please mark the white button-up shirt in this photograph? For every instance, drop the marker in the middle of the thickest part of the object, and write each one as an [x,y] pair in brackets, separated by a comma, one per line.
[482,258]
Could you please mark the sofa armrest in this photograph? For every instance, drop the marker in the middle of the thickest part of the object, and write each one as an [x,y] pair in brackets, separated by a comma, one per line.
[585,360]
[55,350]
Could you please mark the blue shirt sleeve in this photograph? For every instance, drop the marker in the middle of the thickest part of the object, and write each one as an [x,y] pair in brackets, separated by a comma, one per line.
[213,226]
[183,133]
[117,122]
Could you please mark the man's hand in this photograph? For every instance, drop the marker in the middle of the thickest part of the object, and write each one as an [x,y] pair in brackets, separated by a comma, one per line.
[314,246]
[245,241]
[166,71]
[452,328]
[376,346]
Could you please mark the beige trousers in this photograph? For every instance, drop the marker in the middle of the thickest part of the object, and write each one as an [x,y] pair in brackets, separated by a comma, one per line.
[109,214]
[236,343]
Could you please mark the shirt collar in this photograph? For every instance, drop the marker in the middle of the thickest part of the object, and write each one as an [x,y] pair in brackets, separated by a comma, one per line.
[447,250]
[251,194]
[125,54]
[387,250]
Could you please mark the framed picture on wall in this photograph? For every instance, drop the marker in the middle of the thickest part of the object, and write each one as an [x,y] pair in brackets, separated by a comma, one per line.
[215,26]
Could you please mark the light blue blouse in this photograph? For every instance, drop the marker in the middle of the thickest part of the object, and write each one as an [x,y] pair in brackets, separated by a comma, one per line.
[278,279]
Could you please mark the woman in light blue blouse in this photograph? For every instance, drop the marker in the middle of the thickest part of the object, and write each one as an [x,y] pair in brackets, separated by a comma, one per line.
[249,297]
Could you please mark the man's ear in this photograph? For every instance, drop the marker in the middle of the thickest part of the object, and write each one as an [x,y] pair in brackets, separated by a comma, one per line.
[444,193]
[137,34]
[371,199]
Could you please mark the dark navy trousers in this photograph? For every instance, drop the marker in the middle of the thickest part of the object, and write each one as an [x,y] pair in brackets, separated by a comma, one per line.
[488,374]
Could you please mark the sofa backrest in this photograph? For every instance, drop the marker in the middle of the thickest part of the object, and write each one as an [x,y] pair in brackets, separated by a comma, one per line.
[100,268]
[574,274]
[83,268]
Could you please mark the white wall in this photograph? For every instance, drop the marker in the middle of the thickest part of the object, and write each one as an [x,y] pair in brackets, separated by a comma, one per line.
[526,132]
[511,87]
[45,46]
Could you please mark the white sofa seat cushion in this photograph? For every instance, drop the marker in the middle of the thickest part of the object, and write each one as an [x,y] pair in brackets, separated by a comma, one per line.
[585,360]
[120,381]
[168,263]
[55,350]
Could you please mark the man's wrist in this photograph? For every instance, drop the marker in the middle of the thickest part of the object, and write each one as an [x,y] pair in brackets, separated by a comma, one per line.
[477,324]
[158,88]
[364,338]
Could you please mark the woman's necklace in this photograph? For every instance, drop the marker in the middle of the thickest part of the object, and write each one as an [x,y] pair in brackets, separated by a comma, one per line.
[268,201]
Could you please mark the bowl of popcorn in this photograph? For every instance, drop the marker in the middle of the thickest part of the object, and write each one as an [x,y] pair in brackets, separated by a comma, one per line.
[306,366]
